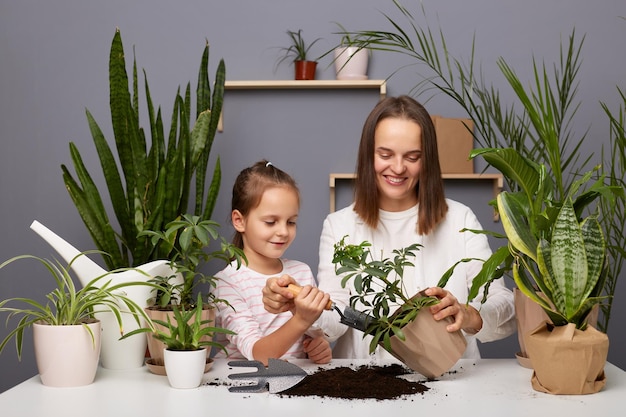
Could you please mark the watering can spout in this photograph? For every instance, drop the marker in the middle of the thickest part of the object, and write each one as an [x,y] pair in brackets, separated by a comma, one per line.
[85,268]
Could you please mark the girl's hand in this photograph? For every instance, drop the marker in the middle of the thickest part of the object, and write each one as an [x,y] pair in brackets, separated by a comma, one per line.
[465,317]
[276,297]
[318,349]
[310,303]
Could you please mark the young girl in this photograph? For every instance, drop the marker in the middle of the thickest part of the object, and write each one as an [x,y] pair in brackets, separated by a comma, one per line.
[265,206]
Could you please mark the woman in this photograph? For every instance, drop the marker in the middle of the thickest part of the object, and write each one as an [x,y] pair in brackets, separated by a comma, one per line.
[399,200]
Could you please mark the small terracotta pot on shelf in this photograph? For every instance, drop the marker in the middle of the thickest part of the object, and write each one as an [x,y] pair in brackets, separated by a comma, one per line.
[305,70]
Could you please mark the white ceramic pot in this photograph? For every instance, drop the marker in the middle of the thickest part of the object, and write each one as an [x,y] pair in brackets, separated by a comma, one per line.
[67,356]
[351,63]
[185,368]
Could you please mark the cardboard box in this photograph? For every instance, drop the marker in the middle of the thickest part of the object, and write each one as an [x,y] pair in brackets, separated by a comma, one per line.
[455,142]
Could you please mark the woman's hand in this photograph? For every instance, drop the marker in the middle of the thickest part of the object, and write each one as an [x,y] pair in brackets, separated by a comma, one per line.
[276,297]
[318,349]
[465,317]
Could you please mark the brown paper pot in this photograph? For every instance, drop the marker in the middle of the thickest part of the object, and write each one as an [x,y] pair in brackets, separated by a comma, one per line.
[429,348]
[529,315]
[566,360]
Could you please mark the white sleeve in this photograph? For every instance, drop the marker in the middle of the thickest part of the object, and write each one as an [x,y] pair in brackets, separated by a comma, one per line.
[330,283]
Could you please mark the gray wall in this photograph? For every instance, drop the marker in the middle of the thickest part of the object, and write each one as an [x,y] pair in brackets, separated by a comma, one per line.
[53,65]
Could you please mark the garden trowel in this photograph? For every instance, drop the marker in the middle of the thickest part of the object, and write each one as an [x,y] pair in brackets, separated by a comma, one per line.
[278,376]
[350,317]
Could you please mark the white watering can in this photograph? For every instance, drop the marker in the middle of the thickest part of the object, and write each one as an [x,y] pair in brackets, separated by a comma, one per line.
[115,354]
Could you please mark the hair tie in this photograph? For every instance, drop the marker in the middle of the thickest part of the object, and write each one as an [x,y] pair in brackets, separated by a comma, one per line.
[268,164]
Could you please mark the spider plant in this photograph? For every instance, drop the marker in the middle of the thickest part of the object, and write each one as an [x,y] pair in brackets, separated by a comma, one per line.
[298,50]
[66,305]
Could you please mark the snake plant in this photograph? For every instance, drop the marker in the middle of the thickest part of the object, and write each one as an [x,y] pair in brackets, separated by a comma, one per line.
[154,183]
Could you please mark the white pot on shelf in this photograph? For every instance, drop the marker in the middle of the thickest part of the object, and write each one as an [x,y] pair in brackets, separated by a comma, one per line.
[351,63]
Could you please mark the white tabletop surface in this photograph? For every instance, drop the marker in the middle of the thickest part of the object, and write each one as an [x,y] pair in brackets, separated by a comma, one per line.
[486,387]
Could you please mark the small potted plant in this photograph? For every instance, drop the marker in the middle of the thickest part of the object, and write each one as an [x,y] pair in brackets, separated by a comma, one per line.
[298,53]
[418,340]
[350,57]
[66,332]
[186,336]
[188,238]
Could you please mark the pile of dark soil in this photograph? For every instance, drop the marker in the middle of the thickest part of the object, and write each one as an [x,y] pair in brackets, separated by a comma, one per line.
[375,382]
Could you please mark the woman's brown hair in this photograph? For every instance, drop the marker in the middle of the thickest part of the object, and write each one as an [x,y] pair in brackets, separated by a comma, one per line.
[429,189]
[250,185]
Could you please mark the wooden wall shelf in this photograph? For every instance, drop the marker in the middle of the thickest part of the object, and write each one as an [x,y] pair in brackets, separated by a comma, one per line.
[496,178]
[380,85]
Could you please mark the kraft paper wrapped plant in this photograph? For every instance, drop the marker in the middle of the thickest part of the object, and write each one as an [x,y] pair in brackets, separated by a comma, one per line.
[397,323]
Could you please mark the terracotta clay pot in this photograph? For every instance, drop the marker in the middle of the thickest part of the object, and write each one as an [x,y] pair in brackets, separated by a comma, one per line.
[428,347]
[305,70]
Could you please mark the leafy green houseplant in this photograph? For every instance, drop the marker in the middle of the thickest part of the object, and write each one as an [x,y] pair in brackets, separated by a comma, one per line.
[189,237]
[186,336]
[298,53]
[156,181]
[395,321]
[67,307]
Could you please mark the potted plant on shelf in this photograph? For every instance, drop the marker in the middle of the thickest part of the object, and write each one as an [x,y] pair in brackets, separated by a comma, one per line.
[188,238]
[66,332]
[298,53]
[350,57]
[186,336]
[415,338]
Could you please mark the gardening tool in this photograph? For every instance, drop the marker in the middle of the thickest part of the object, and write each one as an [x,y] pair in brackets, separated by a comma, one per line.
[277,377]
[350,317]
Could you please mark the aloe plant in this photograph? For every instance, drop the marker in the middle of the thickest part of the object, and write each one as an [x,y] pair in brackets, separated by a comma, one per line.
[529,141]
[187,330]
[155,182]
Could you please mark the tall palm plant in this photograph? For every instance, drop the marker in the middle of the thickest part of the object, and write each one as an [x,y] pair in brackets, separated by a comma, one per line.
[526,143]
[154,183]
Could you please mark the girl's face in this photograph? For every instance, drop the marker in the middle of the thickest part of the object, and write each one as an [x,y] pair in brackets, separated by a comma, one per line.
[397,162]
[268,229]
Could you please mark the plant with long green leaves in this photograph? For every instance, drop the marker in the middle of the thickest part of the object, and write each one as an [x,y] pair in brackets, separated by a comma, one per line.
[298,50]
[379,288]
[187,331]
[154,184]
[66,305]
[528,143]
[188,237]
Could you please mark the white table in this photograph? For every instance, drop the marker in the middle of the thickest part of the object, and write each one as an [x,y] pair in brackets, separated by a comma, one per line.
[487,387]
